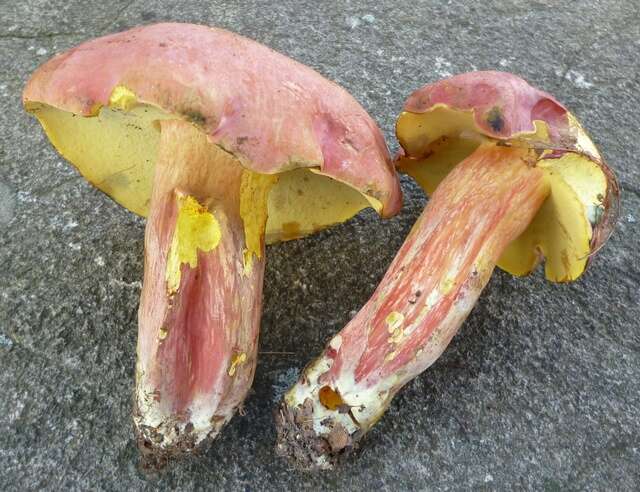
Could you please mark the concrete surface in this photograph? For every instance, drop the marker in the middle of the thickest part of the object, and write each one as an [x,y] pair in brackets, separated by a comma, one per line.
[540,390]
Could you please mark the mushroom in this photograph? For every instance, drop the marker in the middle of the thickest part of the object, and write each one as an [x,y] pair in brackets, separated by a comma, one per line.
[513,179]
[223,144]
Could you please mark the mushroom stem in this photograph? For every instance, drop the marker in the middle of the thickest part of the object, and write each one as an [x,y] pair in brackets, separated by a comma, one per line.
[201,300]
[429,289]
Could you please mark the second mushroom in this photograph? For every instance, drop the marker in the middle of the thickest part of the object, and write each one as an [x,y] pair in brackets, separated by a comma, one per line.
[513,179]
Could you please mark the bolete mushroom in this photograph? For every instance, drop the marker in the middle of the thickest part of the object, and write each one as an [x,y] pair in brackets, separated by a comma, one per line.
[513,179]
[220,142]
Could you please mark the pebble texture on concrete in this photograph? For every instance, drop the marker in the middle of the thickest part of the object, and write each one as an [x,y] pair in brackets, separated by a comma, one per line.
[540,389]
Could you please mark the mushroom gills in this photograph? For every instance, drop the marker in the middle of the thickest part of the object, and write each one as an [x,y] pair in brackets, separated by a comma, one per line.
[116,151]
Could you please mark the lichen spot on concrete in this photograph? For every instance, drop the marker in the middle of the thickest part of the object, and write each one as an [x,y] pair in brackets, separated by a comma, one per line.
[196,230]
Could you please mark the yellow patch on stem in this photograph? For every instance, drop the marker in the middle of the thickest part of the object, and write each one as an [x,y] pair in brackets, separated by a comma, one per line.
[397,336]
[254,193]
[162,334]
[446,285]
[238,359]
[390,356]
[196,230]
[394,324]
[394,320]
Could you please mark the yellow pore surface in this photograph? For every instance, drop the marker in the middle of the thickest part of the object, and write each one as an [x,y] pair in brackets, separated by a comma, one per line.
[562,229]
[116,151]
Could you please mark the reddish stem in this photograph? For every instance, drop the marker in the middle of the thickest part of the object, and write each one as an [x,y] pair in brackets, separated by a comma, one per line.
[199,322]
[427,292]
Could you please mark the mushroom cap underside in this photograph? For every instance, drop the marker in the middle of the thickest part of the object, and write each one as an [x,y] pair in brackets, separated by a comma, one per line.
[100,103]
[445,122]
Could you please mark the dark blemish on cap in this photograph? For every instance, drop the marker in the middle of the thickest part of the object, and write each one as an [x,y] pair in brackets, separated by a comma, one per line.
[194,116]
[241,140]
[598,214]
[495,119]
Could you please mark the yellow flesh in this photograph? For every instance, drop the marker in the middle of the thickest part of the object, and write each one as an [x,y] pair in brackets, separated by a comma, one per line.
[254,194]
[304,202]
[196,230]
[237,360]
[561,231]
[417,131]
[116,151]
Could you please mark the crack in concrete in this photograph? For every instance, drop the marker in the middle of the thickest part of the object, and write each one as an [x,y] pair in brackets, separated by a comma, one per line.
[45,35]
[117,15]
[49,35]
[47,190]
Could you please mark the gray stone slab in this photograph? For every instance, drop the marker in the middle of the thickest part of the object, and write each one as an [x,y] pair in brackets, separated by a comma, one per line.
[541,388]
